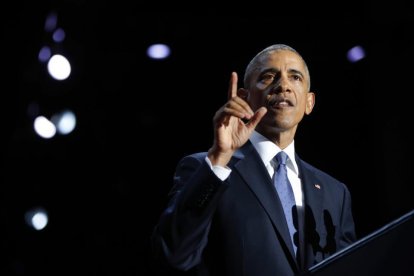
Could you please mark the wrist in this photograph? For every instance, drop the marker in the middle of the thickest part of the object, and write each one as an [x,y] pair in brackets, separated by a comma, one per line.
[218,157]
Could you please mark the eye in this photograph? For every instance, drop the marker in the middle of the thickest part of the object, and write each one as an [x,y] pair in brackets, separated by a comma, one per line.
[267,78]
[297,77]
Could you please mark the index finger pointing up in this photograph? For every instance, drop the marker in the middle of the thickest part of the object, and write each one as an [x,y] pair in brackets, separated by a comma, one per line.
[233,85]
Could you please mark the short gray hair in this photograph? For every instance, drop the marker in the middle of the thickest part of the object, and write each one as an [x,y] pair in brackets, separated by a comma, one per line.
[252,66]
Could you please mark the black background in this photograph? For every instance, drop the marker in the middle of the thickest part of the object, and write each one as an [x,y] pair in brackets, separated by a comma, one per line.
[105,184]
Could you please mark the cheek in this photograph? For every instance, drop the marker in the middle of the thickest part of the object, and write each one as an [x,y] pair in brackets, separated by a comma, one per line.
[302,104]
[256,99]
[261,86]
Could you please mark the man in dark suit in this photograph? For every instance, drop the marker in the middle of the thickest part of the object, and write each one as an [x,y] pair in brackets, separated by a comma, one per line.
[225,216]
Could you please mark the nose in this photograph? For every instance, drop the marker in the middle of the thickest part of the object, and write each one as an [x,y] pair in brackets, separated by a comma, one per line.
[282,85]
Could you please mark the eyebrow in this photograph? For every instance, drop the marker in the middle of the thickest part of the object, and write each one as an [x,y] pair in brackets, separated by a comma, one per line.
[271,70]
[276,71]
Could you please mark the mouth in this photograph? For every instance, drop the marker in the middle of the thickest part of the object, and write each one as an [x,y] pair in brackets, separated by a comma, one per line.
[280,103]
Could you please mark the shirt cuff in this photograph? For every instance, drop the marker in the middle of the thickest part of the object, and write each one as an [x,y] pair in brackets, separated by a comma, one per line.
[221,172]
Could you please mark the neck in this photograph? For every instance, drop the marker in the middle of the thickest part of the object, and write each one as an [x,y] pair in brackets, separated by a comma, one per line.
[282,138]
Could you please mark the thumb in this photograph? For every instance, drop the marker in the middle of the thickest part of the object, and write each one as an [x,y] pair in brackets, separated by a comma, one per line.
[258,115]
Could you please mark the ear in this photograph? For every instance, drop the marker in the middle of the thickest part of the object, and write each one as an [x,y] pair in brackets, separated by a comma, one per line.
[243,93]
[310,102]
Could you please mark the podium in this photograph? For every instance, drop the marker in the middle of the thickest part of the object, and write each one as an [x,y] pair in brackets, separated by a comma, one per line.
[387,251]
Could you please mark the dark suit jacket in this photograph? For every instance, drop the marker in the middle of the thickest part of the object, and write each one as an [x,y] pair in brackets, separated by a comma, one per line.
[237,226]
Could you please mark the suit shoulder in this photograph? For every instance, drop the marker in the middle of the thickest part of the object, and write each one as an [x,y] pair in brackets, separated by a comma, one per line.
[198,156]
[323,175]
[193,159]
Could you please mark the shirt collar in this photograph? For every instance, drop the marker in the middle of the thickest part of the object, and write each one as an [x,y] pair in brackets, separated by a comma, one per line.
[267,150]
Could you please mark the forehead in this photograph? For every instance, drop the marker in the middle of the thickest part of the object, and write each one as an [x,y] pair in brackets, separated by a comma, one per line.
[282,59]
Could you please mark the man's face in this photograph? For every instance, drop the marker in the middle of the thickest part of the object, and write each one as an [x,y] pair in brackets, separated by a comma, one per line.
[280,82]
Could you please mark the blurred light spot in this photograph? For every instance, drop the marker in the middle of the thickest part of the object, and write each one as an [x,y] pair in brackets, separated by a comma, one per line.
[45,53]
[158,51]
[59,35]
[44,128]
[356,53]
[37,218]
[65,122]
[51,21]
[59,67]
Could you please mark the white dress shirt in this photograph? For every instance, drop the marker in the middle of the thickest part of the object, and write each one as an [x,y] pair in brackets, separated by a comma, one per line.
[267,151]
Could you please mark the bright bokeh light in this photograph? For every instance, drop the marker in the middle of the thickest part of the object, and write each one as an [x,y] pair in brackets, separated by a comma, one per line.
[44,128]
[39,221]
[65,122]
[37,218]
[59,67]
[59,35]
[356,53]
[158,51]
[44,53]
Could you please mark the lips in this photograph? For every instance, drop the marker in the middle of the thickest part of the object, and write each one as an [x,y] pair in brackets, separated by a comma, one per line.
[280,102]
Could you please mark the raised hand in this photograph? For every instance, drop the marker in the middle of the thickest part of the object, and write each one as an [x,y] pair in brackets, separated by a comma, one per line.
[230,129]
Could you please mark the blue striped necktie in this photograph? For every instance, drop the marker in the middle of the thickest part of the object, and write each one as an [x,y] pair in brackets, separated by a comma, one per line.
[285,192]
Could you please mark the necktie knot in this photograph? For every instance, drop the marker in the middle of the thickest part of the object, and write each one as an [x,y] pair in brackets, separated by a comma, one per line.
[281,157]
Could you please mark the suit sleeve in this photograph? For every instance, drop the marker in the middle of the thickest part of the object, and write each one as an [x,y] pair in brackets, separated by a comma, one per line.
[181,234]
[348,235]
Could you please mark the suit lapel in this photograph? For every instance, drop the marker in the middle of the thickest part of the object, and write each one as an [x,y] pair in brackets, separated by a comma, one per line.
[253,171]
